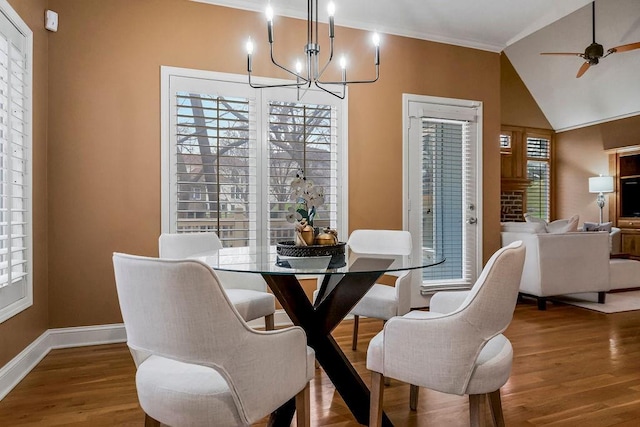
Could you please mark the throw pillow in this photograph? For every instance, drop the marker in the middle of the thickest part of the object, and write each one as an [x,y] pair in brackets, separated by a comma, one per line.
[530,218]
[563,225]
[594,226]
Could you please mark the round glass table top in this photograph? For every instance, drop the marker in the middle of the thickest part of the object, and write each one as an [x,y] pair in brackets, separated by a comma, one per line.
[267,261]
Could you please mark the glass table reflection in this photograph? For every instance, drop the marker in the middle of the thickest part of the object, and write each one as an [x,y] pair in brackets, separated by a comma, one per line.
[340,291]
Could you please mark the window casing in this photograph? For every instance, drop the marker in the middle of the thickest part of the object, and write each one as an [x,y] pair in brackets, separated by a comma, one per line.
[16,252]
[230,153]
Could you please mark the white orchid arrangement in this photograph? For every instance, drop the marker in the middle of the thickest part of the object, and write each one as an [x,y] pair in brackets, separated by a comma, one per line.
[307,197]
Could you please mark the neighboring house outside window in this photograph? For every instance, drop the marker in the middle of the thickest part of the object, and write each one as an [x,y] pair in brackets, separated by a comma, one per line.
[16,251]
[230,153]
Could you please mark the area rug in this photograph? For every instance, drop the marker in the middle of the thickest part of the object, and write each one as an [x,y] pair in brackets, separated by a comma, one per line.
[614,303]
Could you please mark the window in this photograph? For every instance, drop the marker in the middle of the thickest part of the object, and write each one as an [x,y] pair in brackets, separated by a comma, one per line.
[16,267]
[230,153]
[505,142]
[538,173]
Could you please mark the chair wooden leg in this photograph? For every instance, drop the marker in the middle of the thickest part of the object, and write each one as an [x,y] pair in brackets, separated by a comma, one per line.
[303,407]
[269,324]
[413,397]
[377,392]
[354,344]
[495,404]
[150,422]
[475,409]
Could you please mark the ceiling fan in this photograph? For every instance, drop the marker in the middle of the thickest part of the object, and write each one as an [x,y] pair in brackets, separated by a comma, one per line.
[595,52]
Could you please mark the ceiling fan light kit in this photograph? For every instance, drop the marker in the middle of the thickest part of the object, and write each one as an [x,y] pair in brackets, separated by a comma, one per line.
[595,52]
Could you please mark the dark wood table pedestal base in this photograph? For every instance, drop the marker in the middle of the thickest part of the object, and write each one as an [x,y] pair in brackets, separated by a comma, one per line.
[336,297]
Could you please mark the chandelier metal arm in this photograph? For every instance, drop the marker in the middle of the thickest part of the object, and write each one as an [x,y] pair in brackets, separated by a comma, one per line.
[282,67]
[328,60]
[261,86]
[340,95]
[354,82]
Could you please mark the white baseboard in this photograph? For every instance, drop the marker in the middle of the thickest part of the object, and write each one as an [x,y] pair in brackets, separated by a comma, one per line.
[18,367]
[13,372]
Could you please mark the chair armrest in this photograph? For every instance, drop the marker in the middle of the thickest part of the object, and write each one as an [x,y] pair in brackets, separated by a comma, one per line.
[565,263]
[403,291]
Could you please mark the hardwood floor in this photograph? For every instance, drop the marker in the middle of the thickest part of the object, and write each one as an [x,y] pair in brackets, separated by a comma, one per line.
[572,367]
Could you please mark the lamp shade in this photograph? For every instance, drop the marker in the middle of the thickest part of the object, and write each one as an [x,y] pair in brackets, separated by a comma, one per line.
[601,184]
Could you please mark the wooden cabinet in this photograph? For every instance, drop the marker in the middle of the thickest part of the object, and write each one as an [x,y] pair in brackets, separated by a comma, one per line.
[627,199]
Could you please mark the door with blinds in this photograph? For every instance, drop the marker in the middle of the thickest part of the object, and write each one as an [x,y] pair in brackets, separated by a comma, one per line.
[442,184]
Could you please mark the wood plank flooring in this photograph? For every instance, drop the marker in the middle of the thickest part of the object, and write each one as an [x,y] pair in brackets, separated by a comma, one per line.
[572,367]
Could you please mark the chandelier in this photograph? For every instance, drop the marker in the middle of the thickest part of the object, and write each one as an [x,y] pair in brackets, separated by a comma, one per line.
[311,73]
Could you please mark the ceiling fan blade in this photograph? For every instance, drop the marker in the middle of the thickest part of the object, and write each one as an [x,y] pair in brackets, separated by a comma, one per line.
[561,53]
[583,69]
[625,47]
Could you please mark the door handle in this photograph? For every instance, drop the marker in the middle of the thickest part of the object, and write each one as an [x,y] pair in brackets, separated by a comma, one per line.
[472,220]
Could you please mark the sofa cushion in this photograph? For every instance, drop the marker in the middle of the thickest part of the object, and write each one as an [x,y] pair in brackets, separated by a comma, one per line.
[555,227]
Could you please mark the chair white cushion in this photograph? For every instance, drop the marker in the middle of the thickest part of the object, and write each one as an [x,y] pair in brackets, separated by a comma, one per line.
[379,302]
[493,366]
[183,394]
[251,304]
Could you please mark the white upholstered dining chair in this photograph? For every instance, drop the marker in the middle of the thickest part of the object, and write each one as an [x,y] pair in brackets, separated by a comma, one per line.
[382,301]
[457,347]
[198,362]
[247,292]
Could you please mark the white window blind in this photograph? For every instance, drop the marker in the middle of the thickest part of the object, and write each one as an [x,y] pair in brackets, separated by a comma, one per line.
[230,153]
[302,137]
[15,164]
[214,166]
[446,162]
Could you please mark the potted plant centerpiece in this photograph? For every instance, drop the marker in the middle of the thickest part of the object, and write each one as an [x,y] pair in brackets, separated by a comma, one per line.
[310,241]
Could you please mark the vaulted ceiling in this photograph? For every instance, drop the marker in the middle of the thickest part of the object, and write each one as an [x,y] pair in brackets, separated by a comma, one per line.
[522,29]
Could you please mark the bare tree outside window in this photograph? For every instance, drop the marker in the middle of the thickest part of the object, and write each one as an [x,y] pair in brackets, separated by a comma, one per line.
[215,160]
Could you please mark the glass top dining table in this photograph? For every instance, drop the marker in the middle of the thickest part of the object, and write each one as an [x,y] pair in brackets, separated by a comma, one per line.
[341,289]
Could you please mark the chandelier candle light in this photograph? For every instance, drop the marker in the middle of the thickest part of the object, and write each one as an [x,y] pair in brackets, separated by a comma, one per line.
[313,73]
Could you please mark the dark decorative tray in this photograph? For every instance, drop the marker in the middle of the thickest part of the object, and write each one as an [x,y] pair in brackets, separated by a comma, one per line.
[289,249]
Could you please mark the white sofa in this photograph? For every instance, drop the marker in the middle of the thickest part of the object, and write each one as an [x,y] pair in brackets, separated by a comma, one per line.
[563,263]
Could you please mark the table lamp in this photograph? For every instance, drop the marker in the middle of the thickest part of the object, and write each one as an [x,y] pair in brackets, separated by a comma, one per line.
[601,184]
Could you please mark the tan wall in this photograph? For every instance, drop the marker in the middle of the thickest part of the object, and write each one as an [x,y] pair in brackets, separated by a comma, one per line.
[580,154]
[517,105]
[19,331]
[104,105]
